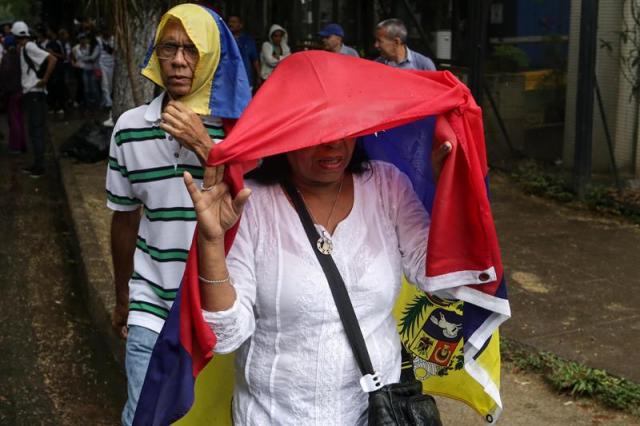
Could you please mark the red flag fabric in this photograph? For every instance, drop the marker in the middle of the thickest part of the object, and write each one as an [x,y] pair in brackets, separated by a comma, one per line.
[317,97]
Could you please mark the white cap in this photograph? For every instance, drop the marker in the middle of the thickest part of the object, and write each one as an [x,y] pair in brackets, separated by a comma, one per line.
[20,29]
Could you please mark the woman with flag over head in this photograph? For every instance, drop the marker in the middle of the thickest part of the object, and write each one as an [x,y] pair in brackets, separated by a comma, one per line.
[269,300]
[349,141]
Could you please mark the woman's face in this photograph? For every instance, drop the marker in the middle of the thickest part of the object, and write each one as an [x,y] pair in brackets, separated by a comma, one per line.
[321,164]
[276,37]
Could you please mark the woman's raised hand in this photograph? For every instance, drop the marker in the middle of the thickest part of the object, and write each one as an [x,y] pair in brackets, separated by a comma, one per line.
[216,210]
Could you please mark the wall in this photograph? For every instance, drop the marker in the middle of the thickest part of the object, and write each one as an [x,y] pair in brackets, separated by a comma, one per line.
[612,87]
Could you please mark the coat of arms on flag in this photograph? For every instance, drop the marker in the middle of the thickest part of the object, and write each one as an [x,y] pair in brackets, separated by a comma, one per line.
[431,331]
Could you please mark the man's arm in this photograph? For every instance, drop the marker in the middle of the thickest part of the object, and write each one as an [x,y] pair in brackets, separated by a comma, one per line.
[124,232]
[256,67]
[51,64]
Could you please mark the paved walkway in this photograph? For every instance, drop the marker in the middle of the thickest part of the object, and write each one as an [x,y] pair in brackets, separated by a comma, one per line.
[573,280]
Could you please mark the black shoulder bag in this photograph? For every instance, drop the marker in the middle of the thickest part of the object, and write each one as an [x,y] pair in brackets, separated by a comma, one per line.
[392,404]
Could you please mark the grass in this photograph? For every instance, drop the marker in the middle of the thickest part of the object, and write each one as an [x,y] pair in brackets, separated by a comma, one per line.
[574,378]
[549,182]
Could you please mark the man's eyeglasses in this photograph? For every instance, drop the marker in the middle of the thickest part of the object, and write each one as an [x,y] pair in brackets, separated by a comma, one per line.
[166,51]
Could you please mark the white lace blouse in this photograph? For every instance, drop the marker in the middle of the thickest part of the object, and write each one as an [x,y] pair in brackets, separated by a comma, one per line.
[294,365]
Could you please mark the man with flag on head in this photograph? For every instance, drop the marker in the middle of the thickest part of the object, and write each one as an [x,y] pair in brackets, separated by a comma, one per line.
[195,59]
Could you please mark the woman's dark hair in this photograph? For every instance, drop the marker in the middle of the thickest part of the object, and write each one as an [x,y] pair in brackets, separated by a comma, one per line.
[276,168]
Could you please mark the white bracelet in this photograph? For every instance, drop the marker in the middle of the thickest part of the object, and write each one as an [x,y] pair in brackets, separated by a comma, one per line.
[214,282]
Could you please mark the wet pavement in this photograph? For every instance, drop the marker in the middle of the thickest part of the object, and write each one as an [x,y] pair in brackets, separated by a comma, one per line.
[55,368]
[573,280]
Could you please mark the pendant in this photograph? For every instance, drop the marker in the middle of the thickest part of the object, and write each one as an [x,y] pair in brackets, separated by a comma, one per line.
[324,244]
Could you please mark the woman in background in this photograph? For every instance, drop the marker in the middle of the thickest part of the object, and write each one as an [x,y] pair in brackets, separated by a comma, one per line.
[274,50]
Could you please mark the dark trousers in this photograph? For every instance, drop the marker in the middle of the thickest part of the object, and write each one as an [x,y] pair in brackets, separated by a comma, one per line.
[57,89]
[17,137]
[35,108]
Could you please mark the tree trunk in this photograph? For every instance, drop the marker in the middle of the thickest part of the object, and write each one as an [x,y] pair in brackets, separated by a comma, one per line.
[136,24]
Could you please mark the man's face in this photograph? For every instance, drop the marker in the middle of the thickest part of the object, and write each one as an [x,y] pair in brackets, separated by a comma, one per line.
[388,47]
[332,43]
[235,24]
[177,71]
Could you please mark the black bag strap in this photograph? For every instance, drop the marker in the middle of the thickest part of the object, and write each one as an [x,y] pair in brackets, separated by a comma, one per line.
[30,65]
[338,289]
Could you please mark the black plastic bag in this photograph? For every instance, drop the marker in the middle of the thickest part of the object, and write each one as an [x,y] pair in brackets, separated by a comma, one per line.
[89,144]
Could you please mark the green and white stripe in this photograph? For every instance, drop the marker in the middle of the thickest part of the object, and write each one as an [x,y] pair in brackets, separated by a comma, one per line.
[150,308]
[137,135]
[162,255]
[170,213]
[166,172]
[162,293]
[122,200]
[215,132]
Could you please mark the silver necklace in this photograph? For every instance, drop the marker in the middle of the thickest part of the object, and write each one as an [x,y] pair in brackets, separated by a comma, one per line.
[324,243]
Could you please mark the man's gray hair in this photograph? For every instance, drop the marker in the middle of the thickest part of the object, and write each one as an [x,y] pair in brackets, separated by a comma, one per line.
[394,28]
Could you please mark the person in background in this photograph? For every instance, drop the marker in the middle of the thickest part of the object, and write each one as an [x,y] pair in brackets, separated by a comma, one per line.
[391,42]
[273,50]
[247,46]
[86,54]
[57,88]
[34,80]
[107,43]
[11,95]
[41,36]
[332,40]
[65,41]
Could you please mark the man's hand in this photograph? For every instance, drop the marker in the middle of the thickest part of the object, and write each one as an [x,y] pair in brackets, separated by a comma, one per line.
[186,126]
[119,320]
[42,83]
[438,156]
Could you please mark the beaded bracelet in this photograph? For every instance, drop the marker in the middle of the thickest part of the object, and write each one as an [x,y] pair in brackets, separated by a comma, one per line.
[214,282]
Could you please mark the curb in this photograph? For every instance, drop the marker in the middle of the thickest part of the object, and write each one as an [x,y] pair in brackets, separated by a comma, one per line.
[95,275]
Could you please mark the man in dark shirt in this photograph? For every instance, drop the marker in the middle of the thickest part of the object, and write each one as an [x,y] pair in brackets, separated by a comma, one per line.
[57,89]
[247,46]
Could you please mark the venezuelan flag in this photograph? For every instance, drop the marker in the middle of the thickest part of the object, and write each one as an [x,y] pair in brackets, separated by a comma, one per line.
[318,97]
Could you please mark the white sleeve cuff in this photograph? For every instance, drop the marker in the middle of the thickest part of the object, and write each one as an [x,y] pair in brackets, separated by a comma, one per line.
[231,327]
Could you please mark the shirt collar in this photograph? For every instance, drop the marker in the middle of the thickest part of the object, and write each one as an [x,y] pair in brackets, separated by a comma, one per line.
[409,57]
[154,109]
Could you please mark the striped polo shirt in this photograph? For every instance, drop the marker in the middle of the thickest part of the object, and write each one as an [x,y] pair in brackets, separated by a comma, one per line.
[145,170]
